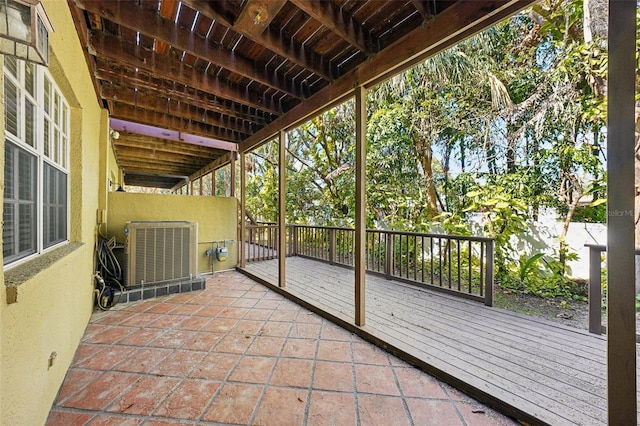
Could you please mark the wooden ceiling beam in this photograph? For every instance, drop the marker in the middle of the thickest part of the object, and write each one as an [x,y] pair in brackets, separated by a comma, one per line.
[130,167]
[168,121]
[151,24]
[151,102]
[454,24]
[119,50]
[216,164]
[338,22]
[133,141]
[423,9]
[110,75]
[150,160]
[160,154]
[273,41]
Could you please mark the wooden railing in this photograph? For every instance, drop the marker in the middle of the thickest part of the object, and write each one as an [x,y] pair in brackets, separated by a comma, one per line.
[458,265]
[595,287]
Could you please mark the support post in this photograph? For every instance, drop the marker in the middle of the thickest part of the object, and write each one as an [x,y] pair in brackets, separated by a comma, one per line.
[213,182]
[332,246]
[282,209]
[621,324]
[243,211]
[488,295]
[232,184]
[595,291]
[361,200]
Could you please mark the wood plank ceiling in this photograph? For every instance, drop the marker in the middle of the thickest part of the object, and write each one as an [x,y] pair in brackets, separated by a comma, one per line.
[221,71]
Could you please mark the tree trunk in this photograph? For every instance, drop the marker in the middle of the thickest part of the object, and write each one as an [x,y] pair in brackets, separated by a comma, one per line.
[425,157]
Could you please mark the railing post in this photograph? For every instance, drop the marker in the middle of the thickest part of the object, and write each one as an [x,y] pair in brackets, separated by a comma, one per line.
[332,245]
[388,255]
[488,294]
[294,230]
[595,291]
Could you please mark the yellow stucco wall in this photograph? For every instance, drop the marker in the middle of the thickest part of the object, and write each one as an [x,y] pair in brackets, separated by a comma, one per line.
[217,219]
[54,305]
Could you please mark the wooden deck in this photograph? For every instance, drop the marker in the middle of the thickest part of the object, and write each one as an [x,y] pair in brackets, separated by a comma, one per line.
[532,369]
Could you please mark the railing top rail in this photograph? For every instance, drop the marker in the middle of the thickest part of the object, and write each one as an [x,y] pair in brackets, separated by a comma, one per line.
[601,247]
[417,234]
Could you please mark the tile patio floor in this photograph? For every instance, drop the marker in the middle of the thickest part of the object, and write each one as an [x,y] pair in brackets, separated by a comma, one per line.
[238,353]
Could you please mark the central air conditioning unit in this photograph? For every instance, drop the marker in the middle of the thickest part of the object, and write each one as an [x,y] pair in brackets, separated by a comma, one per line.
[160,252]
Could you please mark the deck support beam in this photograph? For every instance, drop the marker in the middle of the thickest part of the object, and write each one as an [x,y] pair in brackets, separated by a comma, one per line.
[282,208]
[361,201]
[621,326]
[243,206]
[232,184]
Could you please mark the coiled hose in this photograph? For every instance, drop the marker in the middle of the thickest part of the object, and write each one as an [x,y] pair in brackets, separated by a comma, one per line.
[108,276]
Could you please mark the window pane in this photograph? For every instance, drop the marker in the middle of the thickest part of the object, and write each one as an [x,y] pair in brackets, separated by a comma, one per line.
[47,138]
[11,103]
[19,238]
[30,123]
[56,108]
[11,64]
[30,78]
[55,206]
[65,143]
[56,145]
[65,114]
[47,95]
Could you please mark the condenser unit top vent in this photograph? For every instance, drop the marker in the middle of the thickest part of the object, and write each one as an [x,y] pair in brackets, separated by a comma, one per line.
[160,251]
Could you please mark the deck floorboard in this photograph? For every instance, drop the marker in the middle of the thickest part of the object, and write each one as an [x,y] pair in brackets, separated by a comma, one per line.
[552,372]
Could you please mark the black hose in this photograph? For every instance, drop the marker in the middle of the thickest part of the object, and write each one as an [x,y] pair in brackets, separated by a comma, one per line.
[108,276]
[109,266]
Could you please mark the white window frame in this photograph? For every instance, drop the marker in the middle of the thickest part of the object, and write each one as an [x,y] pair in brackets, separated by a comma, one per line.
[58,125]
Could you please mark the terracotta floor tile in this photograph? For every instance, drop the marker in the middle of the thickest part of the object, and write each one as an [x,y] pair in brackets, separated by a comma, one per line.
[185,310]
[266,304]
[333,332]
[265,345]
[330,408]
[202,341]
[433,412]
[142,337]
[143,360]
[276,328]
[244,303]
[106,359]
[234,343]
[194,323]
[101,392]
[86,351]
[235,293]
[162,308]
[225,301]
[67,418]
[219,325]
[110,335]
[247,327]
[253,369]
[375,379]
[210,311]
[366,353]
[144,396]
[183,297]
[283,316]
[282,407]
[233,313]
[167,321]
[292,372]
[172,338]
[300,348]
[215,366]
[93,329]
[189,400]
[74,381]
[309,317]
[258,314]
[235,403]
[256,293]
[114,318]
[305,330]
[333,376]
[382,410]
[115,420]
[416,383]
[334,351]
[178,364]
[165,422]
[475,414]
[141,319]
